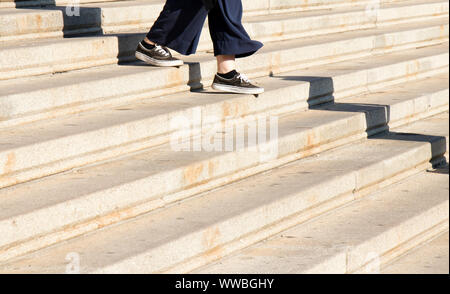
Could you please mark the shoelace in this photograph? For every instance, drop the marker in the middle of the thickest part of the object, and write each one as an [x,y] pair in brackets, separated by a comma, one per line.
[159,49]
[244,78]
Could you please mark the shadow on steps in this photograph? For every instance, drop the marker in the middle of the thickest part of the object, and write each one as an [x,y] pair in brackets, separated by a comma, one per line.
[87,22]
[321,91]
[441,169]
[321,97]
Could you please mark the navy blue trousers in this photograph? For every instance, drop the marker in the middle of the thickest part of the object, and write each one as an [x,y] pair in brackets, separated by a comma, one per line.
[179,26]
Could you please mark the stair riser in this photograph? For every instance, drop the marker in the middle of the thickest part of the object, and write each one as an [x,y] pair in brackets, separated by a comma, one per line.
[301,207]
[51,23]
[38,160]
[387,255]
[277,6]
[279,30]
[59,56]
[84,95]
[32,3]
[388,245]
[388,16]
[90,212]
[210,174]
[87,52]
[255,6]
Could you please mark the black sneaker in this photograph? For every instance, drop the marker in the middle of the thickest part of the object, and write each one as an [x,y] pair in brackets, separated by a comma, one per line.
[158,56]
[239,84]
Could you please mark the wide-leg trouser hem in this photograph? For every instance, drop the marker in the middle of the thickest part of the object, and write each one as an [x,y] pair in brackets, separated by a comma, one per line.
[239,48]
[180,24]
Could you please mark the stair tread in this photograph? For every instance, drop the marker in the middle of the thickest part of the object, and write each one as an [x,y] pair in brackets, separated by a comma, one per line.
[136,3]
[132,238]
[430,258]
[42,4]
[116,17]
[86,167]
[306,247]
[29,84]
[47,131]
[133,167]
[74,189]
[127,3]
[29,44]
[250,18]
[57,55]
[339,10]
[24,135]
[98,121]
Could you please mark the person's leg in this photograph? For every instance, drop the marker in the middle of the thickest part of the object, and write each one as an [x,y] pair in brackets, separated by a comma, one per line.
[146,40]
[227,32]
[231,41]
[178,27]
[225,63]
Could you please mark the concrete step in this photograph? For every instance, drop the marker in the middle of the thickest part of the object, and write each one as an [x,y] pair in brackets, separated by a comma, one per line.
[114,17]
[306,24]
[43,212]
[30,99]
[50,146]
[359,238]
[43,3]
[273,6]
[59,55]
[431,258]
[192,233]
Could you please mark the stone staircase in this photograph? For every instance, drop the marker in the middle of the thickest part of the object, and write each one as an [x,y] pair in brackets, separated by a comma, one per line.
[355,180]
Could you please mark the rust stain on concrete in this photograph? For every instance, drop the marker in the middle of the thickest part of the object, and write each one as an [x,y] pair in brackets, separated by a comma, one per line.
[192,174]
[211,237]
[39,21]
[214,254]
[211,168]
[174,78]
[10,163]
[311,140]
[443,31]
[244,109]
[412,70]
[278,34]
[275,62]
[305,4]
[234,109]
[226,109]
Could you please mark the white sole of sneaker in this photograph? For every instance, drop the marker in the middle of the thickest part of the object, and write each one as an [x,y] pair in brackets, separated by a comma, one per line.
[237,90]
[156,62]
